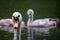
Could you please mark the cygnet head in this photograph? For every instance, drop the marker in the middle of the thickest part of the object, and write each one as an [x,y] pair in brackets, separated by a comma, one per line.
[17,18]
[30,12]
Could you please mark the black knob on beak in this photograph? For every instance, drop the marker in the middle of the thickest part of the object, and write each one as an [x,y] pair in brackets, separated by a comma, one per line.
[15,28]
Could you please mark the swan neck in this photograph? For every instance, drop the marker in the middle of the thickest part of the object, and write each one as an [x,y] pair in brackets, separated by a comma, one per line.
[30,19]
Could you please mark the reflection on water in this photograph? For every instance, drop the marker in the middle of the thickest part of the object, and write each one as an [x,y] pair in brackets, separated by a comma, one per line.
[6,28]
[40,34]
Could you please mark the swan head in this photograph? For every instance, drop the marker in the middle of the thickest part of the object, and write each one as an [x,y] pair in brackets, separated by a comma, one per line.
[17,18]
[30,13]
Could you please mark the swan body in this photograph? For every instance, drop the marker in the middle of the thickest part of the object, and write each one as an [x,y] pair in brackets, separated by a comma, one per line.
[7,22]
[6,25]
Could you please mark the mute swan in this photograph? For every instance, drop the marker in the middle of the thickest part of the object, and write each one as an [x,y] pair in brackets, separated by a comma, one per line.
[17,18]
[5,22]
[38,22]
[6,25]
[31,24]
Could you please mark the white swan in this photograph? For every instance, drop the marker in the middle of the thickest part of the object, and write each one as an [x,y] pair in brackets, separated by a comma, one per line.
[6,24]
[38,22]
[17,18]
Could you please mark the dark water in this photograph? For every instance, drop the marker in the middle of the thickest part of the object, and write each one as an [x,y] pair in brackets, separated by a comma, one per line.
[52,35]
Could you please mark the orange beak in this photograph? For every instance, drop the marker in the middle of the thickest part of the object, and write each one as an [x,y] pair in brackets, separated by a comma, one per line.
[15,24]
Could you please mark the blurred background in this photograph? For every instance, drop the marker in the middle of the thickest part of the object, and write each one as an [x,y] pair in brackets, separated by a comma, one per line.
[42,9]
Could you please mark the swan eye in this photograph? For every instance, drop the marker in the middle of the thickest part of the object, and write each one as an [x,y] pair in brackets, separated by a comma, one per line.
[13,17]
[18,16]
[30,12]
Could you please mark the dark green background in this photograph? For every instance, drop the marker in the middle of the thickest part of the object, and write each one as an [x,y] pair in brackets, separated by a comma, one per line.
[42,8]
